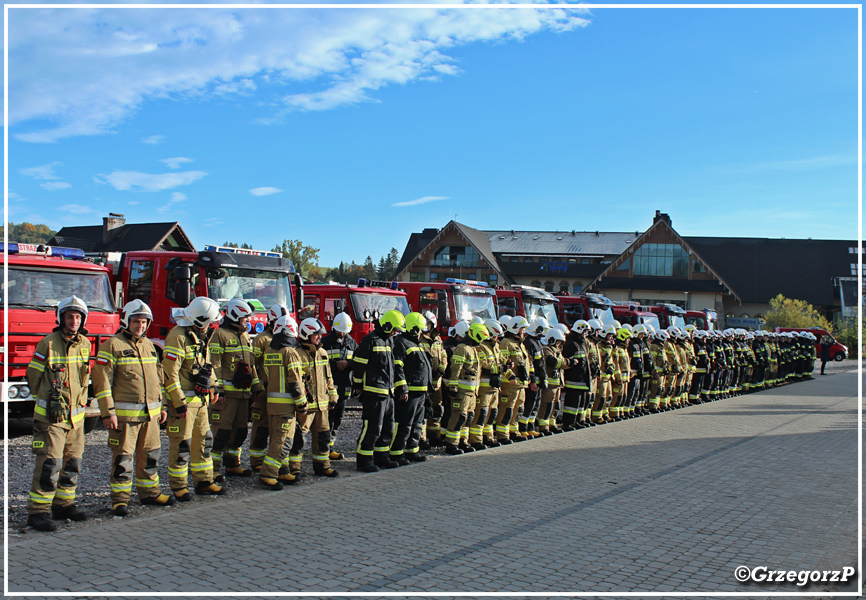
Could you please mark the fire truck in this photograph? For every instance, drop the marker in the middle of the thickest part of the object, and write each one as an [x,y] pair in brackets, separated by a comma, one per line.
[573,307]
[166,280]
[452,300]
[702,319]
[39,276]
[528,302]
[669,314]
[635,314]
[364,303]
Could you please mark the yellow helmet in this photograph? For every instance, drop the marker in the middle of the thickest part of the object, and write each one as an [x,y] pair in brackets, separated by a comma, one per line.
[478,332]
[415,321]
[623,334]
[392,320]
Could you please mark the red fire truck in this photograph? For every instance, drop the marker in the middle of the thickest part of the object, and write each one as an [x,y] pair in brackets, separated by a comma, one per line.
[166,280]
[573,307]
[527,302]
[451,301]
[635,314]
[364,303]
[39,277]
[702,319]
[669,314]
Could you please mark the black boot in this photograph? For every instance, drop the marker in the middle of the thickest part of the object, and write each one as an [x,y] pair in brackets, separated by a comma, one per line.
[365,464]
[41,522]
[453,450]
[416,457]
[383,461]
[71,512]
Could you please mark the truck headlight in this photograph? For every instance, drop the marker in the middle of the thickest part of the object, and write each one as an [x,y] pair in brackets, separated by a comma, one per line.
[13,392]
[24,391]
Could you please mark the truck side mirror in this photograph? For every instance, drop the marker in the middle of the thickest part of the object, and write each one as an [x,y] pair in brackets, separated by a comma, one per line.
[182,290]
[338,307]
[299,291]
[118,295]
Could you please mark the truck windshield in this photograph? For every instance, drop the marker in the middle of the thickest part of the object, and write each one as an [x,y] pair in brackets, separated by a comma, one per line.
[261,289]
[44,288]
[605,315]
[371,306]
[468,306]
[678,321]
[653,320]
[698,322]
[539,308]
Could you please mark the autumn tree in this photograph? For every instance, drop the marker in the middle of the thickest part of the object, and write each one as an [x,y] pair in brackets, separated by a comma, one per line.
[788,312]
[28,233]
[304,257]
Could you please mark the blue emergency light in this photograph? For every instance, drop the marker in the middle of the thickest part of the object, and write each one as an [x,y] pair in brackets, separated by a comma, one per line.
[41,249]
[260,327]
[466,281]
[251,252]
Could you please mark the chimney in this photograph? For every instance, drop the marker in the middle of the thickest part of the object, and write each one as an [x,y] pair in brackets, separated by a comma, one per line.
[660,216]
[109,224]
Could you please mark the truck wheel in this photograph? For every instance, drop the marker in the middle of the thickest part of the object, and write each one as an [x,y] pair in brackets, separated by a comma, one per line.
[839,357]
[90,424]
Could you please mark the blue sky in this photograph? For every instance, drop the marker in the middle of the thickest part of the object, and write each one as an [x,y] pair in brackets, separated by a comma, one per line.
[351,128]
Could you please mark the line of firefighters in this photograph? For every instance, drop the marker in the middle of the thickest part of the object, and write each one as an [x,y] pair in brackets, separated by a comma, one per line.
[490,383]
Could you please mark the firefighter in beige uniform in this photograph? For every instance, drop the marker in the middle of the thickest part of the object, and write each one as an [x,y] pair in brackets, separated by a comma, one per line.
[259,424]
[321,395]
[554,363]
[514,381]
[465,377]
[481,433]
[128,383]
[236,382]
[58,377]
[431,342]
[287,399]
[189,389]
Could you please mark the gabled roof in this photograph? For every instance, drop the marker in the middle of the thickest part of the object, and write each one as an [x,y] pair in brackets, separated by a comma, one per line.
[126,238]
[758,269]
[558,243]
[416,243]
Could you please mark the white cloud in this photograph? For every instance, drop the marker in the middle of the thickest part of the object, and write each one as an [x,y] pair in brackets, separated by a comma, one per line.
[178,197]
[134,203]
[42,172]
[151,139]
[418,201]
[265,191]
[801,164]
[176,162]
[89,70]
[76,209]
[53,186]
[213,222]
[147,182]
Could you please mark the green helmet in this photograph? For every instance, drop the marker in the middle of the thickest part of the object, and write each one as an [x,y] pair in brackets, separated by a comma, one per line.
[392,320]
[415,321]
[623,334]
[478,332]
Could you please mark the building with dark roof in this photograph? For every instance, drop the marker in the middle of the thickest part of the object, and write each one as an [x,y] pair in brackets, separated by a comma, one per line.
[115,235]
[736,277]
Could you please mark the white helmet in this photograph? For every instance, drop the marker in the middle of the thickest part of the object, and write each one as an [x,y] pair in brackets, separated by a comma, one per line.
[690,328]
[431,319]
[552,336]
[562,327]
[517,323]
[581,326]
[475,320]
[739,331]
[494,327]
[595,324]
[661,334]
[275,312]
[628,327]
[72,303]
[135,308]
[674,331]
[342,323]
[617,324]
[287,325]
[310,327]
[639,329]
[461,328]
[610,329]
[538,326]
[201,312]
[505,320]
[237,309]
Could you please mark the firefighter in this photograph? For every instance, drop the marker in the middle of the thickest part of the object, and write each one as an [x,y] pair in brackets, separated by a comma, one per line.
[702,362]
[661,369]
[287,400]
[553,341]
[576,376]
[409,415]
[481,434]
[590,341]
[375,381]
[538,382]
[455,338]
[128,384]
[340,347]
[321,397]
[514,381]
[463,383]
[669,396]
[431,342]
[58,378]
[621,375]
[236,381]
[640,332]
[606,345]
[189,388]
[259,423]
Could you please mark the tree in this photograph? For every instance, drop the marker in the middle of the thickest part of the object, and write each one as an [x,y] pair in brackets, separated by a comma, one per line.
[788,312]
[28,233]
[243,246]
[369,269]
[304,257]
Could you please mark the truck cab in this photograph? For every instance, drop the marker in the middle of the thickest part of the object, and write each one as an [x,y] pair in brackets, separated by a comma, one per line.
[635,314]
[702,319]
[166,280]
[669,314]
[451,301]
[528,302]
[39,276]
[364,303]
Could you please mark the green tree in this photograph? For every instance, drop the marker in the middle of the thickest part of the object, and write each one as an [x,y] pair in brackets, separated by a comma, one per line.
[845,332]
[369,269]
[304,257]
[28,233]
[788,312]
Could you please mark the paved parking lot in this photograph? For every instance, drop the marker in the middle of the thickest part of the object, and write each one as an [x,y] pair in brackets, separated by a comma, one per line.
[672,502]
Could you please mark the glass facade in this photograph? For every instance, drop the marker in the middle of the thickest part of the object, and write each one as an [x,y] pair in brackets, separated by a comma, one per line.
[661,260]
[456,256]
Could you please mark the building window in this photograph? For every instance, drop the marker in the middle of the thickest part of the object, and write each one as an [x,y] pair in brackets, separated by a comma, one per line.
[854,268]
[548,286]
[624,266]
[536,284]
[527,259]
[585,261]
[140,281]
[434,276]
[492,277]
[563,286]
[575,289]
[661,260]
[697,267]
[414,276]
[455,256]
